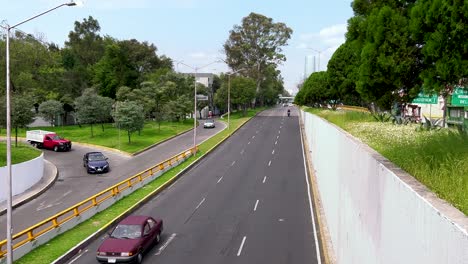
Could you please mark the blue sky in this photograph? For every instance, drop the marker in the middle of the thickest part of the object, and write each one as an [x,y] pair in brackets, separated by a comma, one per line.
[194,30]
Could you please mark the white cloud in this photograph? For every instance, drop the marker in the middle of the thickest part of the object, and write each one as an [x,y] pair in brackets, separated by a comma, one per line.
[333,31]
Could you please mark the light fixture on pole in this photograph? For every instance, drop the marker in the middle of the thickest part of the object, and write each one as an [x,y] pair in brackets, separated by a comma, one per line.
[8,130]
[195,102]
[229,95]
[319,52]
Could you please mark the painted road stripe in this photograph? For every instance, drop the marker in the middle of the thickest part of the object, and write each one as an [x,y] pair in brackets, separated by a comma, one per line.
[276,142]
[273,152]
[241,246]
[248,143]
[242,152]
[264,179]
[220,179]
[253,136]
[200,204]
[269,163]
[160,250]
[277,137]
[232,164]
[77,257]
[255,207]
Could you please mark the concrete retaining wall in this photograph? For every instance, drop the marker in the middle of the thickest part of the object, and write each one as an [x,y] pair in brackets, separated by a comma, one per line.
[24,175]
[377,213]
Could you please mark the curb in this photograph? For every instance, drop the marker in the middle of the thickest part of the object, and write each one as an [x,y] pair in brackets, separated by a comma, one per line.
[44,186]
[326,249]
[78,248]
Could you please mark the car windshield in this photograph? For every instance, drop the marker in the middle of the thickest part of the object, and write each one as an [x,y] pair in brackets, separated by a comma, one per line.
[126,231]
[56,137]
[96,157]
[209,121]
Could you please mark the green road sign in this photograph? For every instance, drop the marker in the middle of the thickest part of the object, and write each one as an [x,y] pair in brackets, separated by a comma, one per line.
[425,99]
[460,96]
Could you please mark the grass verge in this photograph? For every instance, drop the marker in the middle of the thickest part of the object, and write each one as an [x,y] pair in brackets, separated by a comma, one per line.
[59,245]
[108,135]
[437,159]
[21,153]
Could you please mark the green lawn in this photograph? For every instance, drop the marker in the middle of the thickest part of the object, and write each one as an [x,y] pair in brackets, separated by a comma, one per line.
[113,138]
[50,251]
[438,159]
[21,153]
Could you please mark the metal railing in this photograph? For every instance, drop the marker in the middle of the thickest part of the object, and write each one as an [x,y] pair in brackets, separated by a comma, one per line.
[31,233]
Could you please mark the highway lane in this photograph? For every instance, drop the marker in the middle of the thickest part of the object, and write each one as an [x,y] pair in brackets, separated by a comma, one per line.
[74,184]
[247,202]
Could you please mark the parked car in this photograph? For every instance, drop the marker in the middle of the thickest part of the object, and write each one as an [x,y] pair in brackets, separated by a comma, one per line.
[130,239]
[48,140]
[210,123]
[95,162]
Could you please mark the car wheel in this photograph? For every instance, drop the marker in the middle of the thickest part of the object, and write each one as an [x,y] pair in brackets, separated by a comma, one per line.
[34,145]
[139,258]
[56,148]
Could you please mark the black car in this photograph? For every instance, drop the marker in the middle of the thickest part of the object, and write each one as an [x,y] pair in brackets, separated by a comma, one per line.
[95,162]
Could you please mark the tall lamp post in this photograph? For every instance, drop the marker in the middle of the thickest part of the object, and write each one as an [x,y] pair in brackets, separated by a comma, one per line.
[229,96]
[319,52]
[195,101]
[8,129]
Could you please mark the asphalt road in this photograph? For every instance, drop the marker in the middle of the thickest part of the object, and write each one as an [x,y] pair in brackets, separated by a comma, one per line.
[74,184]
[247,202]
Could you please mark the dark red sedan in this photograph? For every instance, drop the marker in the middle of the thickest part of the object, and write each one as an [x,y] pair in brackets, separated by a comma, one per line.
[130,239]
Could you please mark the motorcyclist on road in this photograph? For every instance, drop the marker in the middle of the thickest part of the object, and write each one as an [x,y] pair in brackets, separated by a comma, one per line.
[289,112]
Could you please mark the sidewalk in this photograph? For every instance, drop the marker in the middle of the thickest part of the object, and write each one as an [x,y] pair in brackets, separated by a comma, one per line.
[48,179]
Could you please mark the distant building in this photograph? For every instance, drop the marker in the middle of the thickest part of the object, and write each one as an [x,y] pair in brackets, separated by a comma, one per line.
[309,66]
[204,78]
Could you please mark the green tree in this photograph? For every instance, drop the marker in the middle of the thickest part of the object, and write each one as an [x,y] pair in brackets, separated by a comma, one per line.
[21,113]
[439,27]
[242,92]
[255,45]
[129,116]
[315,91]
[91,108]
[50,110]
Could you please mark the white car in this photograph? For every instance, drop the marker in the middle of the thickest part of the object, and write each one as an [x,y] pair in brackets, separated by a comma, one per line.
[209,124]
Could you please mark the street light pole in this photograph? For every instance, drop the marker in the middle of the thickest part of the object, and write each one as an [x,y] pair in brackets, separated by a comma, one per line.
[229,96]
[319,52]
[195,101]
[8,131]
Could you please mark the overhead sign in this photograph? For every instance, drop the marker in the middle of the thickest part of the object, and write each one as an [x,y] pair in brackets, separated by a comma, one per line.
[423,98]
[460,96]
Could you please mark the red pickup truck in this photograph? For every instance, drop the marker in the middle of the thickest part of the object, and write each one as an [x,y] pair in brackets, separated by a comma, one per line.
[48,140]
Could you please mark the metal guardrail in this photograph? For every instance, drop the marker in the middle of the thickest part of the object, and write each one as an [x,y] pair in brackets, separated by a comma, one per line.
[30,234]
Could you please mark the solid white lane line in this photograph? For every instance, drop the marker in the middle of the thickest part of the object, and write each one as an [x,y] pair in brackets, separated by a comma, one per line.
[273,152]
[255,207]
[241,246]
[264,179]
[77,257]
[269,163]
[200,203]
[160,250]
[276,142]
[317,249]
[232,164]
[220,179]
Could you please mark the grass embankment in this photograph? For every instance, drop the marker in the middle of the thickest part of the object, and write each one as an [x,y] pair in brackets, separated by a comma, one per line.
[58,246]
[438,159]
[21,153]
[111,137]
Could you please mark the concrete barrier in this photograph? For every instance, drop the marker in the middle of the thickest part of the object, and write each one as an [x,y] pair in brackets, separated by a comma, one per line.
[376,212]
[24,175]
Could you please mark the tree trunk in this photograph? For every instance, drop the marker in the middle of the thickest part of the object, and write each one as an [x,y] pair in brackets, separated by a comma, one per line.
[92,134]
[128,137]
[102,124]
[444,107]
